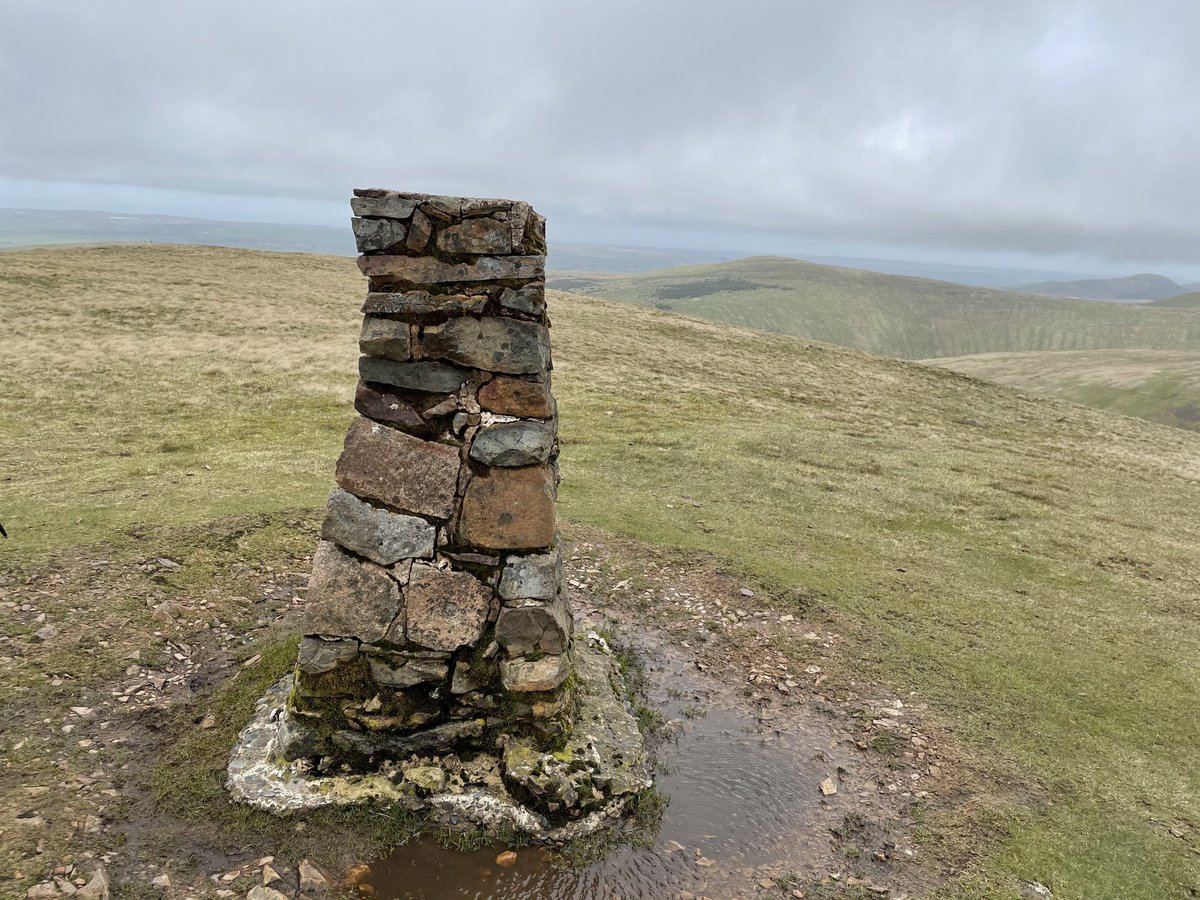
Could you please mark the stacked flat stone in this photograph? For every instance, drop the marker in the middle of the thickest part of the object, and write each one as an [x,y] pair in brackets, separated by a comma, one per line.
[436,610]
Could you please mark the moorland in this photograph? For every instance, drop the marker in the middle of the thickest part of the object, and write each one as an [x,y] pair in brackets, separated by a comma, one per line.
[1022,566]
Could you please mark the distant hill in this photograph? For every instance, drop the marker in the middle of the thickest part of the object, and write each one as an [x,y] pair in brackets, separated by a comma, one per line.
[570,258]
[1182,301]
[914,318]
[1130,287]
[21,228]
[1156,385]
[977,276]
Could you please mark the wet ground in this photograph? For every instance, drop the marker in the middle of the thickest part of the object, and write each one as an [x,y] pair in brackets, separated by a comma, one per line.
[116,737]
[746,813]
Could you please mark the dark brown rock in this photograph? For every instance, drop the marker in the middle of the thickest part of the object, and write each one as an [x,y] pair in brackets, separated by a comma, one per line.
[496,344]
[534,627]
[384,337]
[517,397]
[420,270]
[446,609]
[396,469]
[350,597]
[379,402]
[509,509]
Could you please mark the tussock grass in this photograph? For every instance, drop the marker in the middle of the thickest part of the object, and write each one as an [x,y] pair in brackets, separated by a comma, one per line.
[1025,566]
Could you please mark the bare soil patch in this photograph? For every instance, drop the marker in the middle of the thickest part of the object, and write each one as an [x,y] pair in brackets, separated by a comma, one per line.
[124,678]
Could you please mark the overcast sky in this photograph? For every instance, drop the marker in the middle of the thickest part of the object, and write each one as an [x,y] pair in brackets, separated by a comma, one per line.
[1059,133]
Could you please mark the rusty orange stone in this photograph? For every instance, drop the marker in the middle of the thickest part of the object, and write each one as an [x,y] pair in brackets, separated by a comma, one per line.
[517,397]
[509,509]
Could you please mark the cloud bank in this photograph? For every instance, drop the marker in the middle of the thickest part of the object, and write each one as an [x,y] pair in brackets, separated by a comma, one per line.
[1042,128]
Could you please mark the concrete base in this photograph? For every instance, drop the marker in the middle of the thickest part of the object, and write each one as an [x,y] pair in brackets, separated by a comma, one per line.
[550,797]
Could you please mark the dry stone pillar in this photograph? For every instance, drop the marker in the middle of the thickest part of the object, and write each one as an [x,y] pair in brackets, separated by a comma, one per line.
[436,610]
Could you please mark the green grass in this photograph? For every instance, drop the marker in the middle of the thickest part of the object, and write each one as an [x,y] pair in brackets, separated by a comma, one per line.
[1182,301]
[896,315]
[187,780]
[1031,576]
[1156,385]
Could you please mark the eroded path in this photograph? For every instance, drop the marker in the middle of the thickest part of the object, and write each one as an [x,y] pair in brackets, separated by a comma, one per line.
[123,679]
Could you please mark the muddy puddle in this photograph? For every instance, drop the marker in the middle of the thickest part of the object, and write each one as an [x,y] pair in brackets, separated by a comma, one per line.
[745,806]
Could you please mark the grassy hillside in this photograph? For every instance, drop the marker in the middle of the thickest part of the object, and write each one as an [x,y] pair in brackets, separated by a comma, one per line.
[1146,286]
[1183,301]
[1024,566]
[1156,385]
[913,318]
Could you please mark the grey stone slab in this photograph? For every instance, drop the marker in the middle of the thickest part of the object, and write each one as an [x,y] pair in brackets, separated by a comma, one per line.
[484,206]
[530,299]
[318,655]
[483,235]
[536,576]
[421,305]
[420,270]
[387,203]
[380,535]
[493,343]
[377,235]
[428,376]
[513,444]
[400,671]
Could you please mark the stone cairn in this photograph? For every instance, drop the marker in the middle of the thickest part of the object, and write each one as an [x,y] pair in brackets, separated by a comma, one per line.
[436,614]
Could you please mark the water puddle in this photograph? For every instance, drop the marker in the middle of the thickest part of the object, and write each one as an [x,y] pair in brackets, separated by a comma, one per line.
[745,805]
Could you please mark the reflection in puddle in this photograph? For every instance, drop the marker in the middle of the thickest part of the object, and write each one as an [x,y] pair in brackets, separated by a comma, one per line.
[744,804]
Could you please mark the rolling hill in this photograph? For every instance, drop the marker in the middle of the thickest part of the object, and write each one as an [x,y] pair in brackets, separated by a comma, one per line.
[1130,288]
[1156,385]
[1023,567]
[894,315]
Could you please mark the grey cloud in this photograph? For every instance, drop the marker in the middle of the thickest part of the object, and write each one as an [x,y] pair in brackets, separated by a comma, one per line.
[1054,126]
